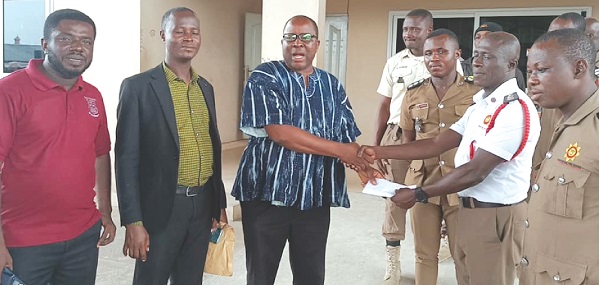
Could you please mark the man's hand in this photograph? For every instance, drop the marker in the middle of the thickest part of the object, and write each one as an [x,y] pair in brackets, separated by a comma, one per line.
[222,220]
[347,154]
[109,230]
[5,258]
[404,198]
[137,242]
[369,175]
[382,165]
[368,153]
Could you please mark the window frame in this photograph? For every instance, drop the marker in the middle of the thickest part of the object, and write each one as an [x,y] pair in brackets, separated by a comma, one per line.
[49,8]
[394,16]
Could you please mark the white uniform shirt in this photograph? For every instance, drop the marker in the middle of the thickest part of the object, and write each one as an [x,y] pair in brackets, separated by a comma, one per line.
[400,71]
[508,182]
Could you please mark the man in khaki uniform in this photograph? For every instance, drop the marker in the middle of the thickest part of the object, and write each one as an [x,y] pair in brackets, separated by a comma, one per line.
[591,30]
[429,107]
[549,118]
[401,70]
[493,161]
[561,236]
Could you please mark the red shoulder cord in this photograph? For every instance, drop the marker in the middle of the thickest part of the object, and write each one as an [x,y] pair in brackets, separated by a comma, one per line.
[491,125]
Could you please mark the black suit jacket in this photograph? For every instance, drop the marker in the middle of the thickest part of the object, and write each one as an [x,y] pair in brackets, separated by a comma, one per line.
[147,150]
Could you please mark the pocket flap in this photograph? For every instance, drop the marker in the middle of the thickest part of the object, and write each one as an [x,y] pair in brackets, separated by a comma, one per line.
[561,269]
[577,176]
[416,165]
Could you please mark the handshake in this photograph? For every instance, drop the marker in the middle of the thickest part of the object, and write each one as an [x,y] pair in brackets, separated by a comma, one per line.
[360,158]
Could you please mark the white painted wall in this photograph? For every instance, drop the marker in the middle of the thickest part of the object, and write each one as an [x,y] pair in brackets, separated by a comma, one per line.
[116,49]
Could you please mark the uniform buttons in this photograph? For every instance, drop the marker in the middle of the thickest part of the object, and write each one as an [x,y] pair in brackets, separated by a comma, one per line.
[556,278]
[192,111]
[394,137]
[524,261]
[197,134]
[442,125]
[442,163]
[493,99]
[535,187]
[441,106]
[561,180]
[549,155]
[527,224]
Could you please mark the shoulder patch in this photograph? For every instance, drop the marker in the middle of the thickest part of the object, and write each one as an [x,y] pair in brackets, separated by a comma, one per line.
[415,84]
[469,79]
[511,97]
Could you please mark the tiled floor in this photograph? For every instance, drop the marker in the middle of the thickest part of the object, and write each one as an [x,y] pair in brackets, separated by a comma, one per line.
[355,250]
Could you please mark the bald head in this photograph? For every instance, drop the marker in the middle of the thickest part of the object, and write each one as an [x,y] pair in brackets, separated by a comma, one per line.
[507,44]
[591,30]
[568,21]
[301,19]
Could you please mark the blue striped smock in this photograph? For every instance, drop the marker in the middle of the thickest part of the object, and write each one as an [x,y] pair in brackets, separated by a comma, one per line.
[274,94]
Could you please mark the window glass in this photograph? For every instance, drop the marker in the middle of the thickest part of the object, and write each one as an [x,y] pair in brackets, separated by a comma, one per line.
[23,31]
[526,28]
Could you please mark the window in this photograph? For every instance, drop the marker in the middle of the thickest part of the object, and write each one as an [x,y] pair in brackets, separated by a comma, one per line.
[22,30]
[525,23]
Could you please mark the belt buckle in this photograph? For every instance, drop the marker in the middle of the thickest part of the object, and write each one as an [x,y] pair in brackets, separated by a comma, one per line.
[187,192]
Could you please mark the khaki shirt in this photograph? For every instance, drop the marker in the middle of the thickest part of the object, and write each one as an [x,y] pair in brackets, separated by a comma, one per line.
[561,236]
[548,121]
[422,109]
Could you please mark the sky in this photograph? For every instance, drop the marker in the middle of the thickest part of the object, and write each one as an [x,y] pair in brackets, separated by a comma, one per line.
[24,18]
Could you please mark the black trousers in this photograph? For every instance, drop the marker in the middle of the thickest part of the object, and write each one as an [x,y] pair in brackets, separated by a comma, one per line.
[178,252]
[71,262]
[266,230]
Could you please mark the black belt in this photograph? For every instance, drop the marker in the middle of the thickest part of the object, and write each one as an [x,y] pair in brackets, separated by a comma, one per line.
[472,203]
[189,191]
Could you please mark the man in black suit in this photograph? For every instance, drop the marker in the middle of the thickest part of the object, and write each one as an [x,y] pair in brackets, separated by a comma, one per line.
[168,161]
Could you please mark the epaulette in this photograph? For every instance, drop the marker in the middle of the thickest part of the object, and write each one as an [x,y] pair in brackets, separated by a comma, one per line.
[415,84]
[469,79]
[511,97]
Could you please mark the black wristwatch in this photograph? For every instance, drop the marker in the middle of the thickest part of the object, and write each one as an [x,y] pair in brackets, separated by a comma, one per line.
[420,195]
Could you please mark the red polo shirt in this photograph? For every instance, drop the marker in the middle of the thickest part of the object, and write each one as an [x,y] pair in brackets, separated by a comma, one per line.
[49,141]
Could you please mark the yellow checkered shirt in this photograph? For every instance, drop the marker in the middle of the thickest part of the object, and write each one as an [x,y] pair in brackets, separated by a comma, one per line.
[191,114]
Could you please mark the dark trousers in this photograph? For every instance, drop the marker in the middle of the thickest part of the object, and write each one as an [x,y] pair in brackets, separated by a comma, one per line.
[71,262]
[179,251]
[266,230]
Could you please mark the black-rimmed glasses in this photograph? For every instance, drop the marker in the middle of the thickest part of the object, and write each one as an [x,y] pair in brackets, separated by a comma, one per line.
[304,37]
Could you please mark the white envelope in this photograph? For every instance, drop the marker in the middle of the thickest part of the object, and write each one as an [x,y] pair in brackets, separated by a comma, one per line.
[384,188]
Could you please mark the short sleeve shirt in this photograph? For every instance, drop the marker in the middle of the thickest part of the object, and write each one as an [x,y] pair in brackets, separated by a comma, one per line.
[276,95]
[399,72]
[423,110]
[508,182]
[49,141]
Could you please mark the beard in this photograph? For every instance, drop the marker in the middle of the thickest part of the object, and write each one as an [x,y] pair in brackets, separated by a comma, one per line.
[62,71]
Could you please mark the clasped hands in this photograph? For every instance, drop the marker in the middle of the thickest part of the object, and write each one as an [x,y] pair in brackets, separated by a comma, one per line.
[404,197]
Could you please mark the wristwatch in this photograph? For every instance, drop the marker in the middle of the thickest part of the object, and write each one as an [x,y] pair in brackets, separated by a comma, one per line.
[420,195]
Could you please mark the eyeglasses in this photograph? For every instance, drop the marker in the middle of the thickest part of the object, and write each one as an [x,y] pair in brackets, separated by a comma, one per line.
[304,37]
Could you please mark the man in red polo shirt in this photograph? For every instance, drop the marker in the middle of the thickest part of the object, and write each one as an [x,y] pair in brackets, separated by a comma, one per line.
[54,150]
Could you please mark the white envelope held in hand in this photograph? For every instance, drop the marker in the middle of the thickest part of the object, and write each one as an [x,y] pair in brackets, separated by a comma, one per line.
[384,188]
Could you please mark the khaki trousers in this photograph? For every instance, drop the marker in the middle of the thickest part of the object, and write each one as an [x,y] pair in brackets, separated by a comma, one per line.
[394,220]
[489,244]
[426,220]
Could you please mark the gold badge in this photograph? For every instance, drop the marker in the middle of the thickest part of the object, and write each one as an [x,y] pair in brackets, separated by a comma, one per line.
[572,152]
[487,119]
